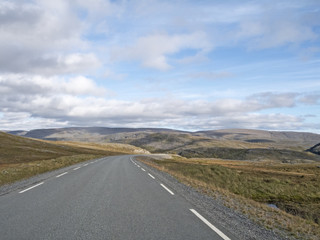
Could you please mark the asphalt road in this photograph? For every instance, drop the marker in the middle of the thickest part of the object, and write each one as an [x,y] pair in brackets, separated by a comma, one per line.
[109,198]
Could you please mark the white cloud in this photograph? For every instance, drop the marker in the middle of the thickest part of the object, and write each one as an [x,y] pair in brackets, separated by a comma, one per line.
[49,50]
[154,50]
[13,121]
[54,101]
[272,100]
[99,8]
[209,75]
[76,63]
[276,25]
[43,37]
[20,85]
[276,32]
[310,99]
[309,52]
[79,100]
[24,121]
[82,86]
[261,121]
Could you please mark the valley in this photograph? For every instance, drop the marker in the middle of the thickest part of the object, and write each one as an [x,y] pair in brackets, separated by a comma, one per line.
[271,177]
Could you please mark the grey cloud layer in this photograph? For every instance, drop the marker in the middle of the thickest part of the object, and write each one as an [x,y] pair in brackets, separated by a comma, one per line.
[46,52]
[253,25]
[81,100]
[42,38]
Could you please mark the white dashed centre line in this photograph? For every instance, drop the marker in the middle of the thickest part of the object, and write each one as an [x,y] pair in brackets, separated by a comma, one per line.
[143,169]
[221,234]
[85,164]
[60,175]
[76,168]
[151,176]
[31,187]
[167,189]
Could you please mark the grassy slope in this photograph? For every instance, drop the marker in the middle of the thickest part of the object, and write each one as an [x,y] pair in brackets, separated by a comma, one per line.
[256,154]
[114,147]
[23,157]
[16,149]
[226,144]
[174,143]
[188,145]
[294,188]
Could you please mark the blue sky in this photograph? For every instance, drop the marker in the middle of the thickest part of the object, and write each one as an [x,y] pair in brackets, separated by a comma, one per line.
[190,65]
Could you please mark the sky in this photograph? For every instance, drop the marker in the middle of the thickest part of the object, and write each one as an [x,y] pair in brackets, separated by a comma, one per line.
[188,65]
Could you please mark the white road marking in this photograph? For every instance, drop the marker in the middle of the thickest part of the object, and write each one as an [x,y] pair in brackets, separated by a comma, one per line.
[31,187]
[167,189]
[221,234]
[61,174]
[143,169]
[151,176]
[76,168]
[138,166]
[85,164]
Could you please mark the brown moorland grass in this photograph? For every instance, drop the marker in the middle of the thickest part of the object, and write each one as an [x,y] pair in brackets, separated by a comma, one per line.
[12,172]
[113,147]
[24,157]
[15,149]
[249,186]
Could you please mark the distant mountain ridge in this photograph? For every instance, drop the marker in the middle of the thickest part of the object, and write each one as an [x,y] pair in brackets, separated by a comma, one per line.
[248,134]
[46,133]
[234,134]
[105,134]
[245,144]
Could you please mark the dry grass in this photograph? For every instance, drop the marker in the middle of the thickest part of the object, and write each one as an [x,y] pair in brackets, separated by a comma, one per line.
[14,149]
[175,142]
[251,154]
[113,147]
[24,157]
[248,186]
[12,172]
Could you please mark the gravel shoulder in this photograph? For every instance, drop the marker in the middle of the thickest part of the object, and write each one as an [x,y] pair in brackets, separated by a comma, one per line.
[215,211]
[212,208]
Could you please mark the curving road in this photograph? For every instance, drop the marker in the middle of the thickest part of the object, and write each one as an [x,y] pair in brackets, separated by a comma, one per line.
[109,198]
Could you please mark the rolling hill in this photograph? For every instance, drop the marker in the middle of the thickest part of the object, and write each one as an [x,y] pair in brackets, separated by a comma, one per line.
[22,157]
[17,149]
[237,144]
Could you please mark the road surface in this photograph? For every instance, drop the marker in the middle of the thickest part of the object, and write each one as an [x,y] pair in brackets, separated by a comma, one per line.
[108,198]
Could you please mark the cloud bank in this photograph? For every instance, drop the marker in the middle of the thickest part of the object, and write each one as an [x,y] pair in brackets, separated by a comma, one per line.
[61,61]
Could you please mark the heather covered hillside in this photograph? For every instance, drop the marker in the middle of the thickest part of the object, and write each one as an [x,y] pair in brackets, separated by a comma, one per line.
[236,144]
